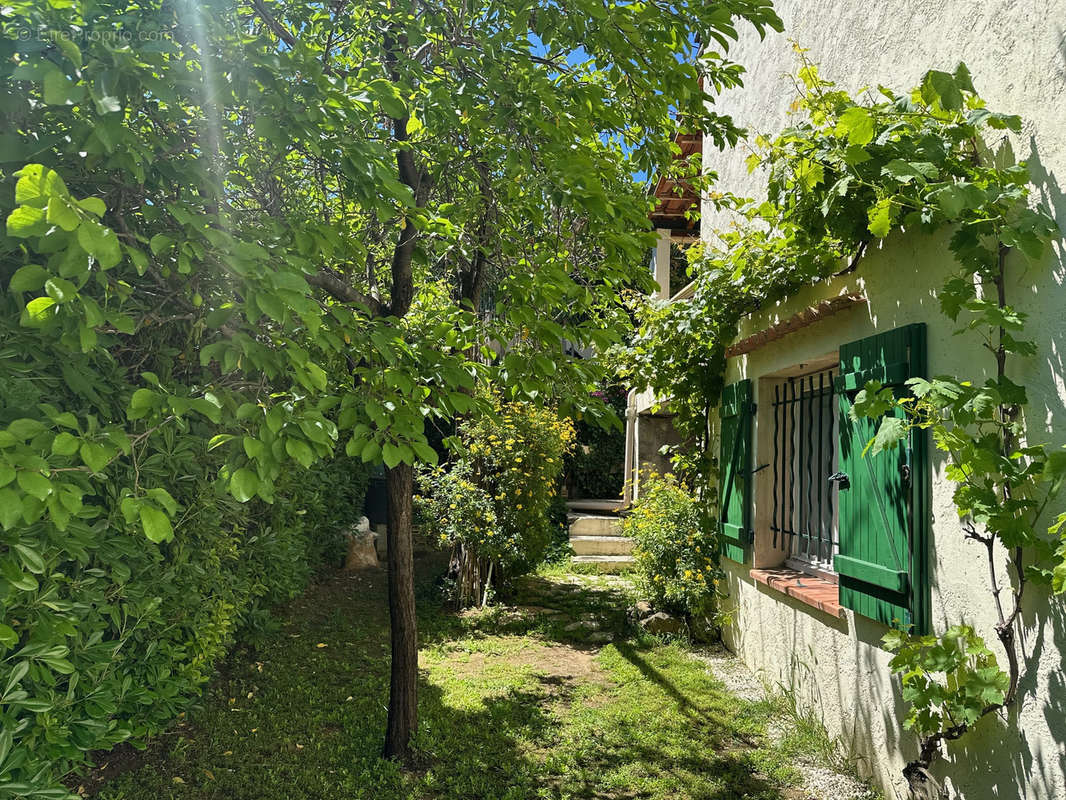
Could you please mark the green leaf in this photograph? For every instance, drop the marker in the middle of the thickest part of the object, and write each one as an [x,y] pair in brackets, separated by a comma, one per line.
[160,243]
[857,124]
[30,558]
[60,212]
[8,638]
[25,222]
[34,483]
[65,444]
[426,453]
[906,171]
[881,216]
[156,524]
[100,242]
[941,87]
[94,205]
[891,432]
[393,455]
[10,509]
[96,456]
[40,309]
[59,90]
[7,474]
[29,278]
[37,183]
[162,496]
[60,290]
[243,485]
[300,450]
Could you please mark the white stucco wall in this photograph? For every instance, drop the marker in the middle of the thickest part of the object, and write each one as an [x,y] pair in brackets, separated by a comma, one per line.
[1016,51]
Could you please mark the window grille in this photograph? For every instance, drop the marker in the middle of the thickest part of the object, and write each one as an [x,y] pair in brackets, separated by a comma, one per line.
[805,455]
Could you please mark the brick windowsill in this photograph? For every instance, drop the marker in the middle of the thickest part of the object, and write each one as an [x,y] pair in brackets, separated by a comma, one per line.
[809,590]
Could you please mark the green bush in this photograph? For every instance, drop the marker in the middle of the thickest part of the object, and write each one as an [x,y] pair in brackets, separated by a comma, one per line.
[494,506]
[107,637]
[674,550]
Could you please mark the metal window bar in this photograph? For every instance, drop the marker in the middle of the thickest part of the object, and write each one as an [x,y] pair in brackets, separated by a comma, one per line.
[805,455]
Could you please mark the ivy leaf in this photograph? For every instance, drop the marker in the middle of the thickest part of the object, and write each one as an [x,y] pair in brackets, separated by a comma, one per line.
[857,124]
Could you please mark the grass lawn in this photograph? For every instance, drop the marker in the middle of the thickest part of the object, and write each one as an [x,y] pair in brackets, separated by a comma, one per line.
[550,697]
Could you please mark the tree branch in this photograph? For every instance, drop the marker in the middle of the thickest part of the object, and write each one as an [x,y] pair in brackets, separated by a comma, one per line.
[279,30]
[339,290]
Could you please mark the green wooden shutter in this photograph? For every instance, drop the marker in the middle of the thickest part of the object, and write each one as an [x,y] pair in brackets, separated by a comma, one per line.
[734,470]
[883,519]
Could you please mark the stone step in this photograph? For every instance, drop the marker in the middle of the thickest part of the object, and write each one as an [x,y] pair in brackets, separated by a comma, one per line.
[590,525]
[605,563]
[601,545]
[595,506]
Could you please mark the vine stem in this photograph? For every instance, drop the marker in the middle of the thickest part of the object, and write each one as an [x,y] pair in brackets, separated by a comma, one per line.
[921,782]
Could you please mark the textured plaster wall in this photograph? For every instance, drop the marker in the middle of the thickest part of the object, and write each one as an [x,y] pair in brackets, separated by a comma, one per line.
[1017,54]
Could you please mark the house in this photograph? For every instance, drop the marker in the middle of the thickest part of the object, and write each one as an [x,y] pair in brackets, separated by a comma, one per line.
[826,550]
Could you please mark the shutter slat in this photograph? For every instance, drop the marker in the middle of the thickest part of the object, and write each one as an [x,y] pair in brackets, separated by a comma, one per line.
[874,574]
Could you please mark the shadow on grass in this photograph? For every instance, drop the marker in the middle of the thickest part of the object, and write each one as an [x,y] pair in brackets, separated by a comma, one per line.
[305,716]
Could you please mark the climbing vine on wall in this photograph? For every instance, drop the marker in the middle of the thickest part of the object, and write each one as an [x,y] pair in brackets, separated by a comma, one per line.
[848,172]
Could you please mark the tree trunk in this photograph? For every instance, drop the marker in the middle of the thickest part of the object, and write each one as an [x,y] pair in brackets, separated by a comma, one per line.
[403,693]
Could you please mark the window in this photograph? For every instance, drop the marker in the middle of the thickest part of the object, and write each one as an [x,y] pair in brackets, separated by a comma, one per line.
[804,517]
[858,521]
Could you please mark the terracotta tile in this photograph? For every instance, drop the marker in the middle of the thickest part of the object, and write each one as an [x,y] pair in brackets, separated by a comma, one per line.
[809,590]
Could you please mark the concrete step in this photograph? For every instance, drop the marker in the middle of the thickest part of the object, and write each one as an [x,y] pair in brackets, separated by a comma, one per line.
[590,525]
[595,506]
[605,563]
[601,545]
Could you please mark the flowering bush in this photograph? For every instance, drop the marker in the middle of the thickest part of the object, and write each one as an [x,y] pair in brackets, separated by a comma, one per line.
[674,551]
[517,456]
[492,507]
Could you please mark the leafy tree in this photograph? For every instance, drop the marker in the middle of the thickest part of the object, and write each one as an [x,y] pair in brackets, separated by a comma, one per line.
[301,224]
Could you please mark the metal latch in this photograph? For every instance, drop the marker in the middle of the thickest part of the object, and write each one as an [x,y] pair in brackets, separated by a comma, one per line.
[840,478]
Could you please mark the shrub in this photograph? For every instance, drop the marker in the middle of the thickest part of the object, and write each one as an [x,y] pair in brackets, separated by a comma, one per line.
[114,635]
[493,508]
[674,550]
[517,455]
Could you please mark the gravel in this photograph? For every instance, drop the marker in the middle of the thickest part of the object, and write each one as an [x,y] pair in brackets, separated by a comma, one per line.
[819,781]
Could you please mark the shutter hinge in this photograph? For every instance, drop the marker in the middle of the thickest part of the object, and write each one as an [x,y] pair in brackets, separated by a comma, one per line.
[905,474]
